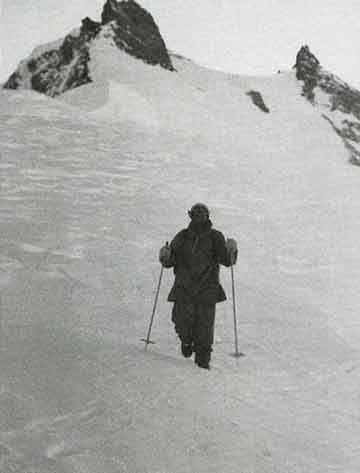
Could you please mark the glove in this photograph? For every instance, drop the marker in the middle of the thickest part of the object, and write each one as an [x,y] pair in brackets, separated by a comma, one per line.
[231,244]
[165,253]
[231,247]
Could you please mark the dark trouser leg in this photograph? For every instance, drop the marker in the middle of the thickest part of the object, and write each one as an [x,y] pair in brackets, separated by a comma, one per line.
[183,316]
[204,333]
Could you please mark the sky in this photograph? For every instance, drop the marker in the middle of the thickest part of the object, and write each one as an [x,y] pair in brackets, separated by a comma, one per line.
[245,37]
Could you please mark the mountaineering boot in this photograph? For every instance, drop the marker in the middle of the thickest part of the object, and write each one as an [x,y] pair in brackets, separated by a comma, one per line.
[186,349]
[203,364]
[202,359]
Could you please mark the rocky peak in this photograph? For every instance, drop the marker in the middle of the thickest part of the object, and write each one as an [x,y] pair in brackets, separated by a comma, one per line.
[340,97]
[306,63]
[307,69]
[113,11]
[65,66]
[90,27]
[136,32]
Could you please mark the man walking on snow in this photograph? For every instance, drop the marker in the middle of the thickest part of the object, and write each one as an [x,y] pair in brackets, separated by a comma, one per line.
[195,253]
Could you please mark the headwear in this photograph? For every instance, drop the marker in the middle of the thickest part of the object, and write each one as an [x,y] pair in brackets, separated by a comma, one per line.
[199,208]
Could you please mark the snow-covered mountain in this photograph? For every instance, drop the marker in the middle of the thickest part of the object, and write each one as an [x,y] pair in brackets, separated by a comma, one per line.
[57,67]
[93,182]
[60,66]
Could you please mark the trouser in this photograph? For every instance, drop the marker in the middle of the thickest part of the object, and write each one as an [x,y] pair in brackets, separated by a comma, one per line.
[194,324]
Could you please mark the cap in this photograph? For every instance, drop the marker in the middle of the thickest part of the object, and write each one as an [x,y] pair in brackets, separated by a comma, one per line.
[199,208]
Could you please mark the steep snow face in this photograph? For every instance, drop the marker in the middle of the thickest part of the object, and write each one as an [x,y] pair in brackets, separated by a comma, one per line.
[90,191]
[125,89]
[341,103]
[63,65]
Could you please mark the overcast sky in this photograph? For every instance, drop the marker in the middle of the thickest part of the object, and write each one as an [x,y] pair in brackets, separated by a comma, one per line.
[255,37]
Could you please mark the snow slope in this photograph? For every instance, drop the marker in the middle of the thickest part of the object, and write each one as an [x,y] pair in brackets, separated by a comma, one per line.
[92,185]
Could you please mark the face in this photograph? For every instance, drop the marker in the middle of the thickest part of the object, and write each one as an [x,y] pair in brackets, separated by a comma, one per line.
[199,216]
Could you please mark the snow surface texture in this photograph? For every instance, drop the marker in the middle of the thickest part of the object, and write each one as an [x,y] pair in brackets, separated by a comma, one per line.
[91,187]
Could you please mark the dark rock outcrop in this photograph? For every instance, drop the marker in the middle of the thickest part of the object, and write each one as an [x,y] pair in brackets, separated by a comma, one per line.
[59,69]
[341,97]
[67,66]
[306,64]
[136,32]
[349,137]
[307,68]
[13,81]
[258,100]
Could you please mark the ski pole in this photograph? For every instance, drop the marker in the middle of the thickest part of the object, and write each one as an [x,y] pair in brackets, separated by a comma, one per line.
[147,339]
[237,354]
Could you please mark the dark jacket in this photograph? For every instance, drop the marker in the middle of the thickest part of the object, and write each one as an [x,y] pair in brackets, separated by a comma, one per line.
[195,257]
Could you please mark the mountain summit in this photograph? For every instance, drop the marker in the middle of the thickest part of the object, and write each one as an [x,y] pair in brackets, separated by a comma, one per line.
[62,65]
[136,32]
[115,53]
[324,89]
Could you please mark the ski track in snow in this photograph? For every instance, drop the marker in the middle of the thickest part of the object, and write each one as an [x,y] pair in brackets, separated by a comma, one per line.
[86,201]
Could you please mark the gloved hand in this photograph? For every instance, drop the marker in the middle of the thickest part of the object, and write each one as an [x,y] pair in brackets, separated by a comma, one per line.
[231,246]
[165,253]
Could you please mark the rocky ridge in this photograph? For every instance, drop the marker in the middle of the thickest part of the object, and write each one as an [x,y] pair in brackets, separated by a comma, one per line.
[340,101]
[58,69]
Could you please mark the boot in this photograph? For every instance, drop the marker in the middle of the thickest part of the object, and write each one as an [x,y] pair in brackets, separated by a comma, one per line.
[202,359]
[186,349]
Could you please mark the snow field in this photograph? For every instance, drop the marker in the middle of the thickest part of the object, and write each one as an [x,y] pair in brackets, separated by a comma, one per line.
[87,199]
